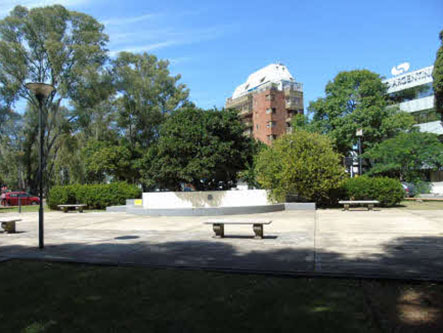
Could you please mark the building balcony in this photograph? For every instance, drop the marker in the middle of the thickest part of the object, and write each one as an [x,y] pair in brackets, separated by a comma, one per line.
[291,105]
[419,104]
[245,112]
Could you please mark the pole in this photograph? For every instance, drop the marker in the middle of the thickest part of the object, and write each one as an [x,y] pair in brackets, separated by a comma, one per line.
[359,156]
[40,174]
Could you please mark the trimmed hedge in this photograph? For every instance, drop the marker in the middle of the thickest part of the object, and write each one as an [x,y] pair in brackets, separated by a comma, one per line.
[96,196]
[388,191]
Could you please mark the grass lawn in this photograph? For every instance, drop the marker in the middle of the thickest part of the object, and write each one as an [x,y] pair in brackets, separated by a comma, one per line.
[52,297]
[35,208]
[29,208]
[425,205]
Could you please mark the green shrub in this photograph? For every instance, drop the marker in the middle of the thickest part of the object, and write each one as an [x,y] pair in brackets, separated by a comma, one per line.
[96,196]
[386,190]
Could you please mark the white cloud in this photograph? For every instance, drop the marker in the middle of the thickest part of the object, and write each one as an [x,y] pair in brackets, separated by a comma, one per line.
[143,48]
[152,39]
[130,20]
[8,5]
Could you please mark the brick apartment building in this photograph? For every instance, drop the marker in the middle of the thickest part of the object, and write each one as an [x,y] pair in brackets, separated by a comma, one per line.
[267,101]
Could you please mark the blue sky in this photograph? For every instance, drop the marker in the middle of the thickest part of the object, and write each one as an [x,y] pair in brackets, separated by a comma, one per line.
[215,45]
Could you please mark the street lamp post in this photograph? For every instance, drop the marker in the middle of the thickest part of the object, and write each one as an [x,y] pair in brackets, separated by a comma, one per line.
[41,92]
[359,134]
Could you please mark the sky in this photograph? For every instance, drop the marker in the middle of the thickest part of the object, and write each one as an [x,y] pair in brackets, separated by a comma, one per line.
[215,45]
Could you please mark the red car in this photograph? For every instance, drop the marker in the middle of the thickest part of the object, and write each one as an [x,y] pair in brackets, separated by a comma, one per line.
[25,198]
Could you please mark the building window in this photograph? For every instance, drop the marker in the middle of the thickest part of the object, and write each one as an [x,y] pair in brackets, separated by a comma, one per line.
[269,97]
[256,126]
[270,124]
[274,110]
[271,110]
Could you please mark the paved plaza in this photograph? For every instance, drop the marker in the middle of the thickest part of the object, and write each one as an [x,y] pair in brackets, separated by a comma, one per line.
[384,243]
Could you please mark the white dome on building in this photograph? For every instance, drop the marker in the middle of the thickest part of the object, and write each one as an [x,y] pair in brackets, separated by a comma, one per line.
[274,73]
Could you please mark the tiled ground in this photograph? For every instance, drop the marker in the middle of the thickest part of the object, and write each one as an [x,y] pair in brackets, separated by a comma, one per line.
[386,243]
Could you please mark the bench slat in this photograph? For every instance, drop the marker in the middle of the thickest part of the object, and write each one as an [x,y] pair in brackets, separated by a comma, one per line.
[350,202]
[238,221]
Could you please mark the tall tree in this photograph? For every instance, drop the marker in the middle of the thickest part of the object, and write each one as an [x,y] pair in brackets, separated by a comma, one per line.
[357,99]
[146,93]
[437,75]
[204,148]
[51,45]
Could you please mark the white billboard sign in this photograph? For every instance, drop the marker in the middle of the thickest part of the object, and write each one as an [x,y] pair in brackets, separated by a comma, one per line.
[409,80]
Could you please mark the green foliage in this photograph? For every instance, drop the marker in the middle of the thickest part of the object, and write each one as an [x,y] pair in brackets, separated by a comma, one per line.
[357,99]
[103,159]
[147,92]
[96,196]
[204,148]
[386,190]
[300,163]
[53,45]
[249,174]
[406,155]
[437,75]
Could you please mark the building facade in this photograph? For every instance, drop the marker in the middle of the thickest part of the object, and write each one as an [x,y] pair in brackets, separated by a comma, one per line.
[267,101]
[413,93]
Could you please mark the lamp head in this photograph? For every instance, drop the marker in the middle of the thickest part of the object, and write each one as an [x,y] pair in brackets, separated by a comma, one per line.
[40,90]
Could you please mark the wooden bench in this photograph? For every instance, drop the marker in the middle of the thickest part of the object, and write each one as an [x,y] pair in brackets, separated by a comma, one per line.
[218,225]
[9,225]
[75,206]
[369,203]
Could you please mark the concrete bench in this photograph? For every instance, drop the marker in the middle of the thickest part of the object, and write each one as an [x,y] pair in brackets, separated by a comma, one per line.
[65,208]
[369,203]
[8,225]
[219,225]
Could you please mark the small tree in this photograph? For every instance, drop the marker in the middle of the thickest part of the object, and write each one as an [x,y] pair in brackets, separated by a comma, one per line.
[406,155]
[300,163]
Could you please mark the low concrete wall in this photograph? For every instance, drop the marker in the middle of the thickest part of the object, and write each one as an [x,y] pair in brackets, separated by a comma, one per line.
[211,211]
[206,199]
[300,206]
[437,188]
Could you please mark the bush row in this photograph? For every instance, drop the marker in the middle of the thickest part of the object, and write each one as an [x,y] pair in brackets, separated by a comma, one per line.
[386,190]
[96,196]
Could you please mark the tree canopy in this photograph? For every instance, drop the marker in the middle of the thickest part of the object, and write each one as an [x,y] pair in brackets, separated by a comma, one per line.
[437,75]
[203,148]
[406,155]
[55,46]
[357,99]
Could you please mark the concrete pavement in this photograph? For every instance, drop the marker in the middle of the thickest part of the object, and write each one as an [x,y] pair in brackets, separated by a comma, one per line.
[386,243]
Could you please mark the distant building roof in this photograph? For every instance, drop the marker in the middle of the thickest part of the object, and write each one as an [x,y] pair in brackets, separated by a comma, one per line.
[274,73]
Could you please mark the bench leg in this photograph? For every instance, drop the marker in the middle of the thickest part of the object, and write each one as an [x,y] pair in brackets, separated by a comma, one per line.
[346,207]
[9,227]
[258,231]
[65,209]
[219,230]
[370,206]
[80,209]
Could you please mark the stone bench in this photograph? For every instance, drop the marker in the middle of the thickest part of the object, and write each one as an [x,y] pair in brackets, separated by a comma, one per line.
[8,225]
[369,203]
[65,208]
[219,225]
